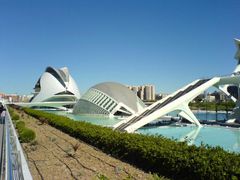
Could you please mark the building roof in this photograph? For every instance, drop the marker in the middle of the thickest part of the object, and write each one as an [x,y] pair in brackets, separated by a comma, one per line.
[237,42]
[120,93]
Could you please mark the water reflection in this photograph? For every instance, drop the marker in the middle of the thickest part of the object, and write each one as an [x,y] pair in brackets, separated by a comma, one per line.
[191,136]
[225,137]
[229,140]
[236,146]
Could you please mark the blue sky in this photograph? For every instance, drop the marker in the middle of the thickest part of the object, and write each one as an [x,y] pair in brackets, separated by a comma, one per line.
[168,43]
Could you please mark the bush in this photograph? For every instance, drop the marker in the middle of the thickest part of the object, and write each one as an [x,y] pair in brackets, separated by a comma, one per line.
[10,110]
[20,125]
[26,135]
[152,153]
[15,116]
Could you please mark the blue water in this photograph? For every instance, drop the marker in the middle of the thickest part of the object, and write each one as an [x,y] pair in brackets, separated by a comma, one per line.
[98,120]
[225,137]
[206,115]
[210,116]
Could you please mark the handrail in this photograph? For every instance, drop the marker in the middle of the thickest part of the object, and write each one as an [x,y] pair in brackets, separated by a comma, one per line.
[15,164]
[2,159]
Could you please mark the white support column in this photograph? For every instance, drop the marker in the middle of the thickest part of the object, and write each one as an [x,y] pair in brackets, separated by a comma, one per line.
[185,115]
[188,114]
[224,90]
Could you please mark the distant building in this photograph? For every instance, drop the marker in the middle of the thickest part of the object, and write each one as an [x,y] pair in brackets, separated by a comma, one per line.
[140,92]
[25,98]
[210,98]
[14,97]
[223,97]
[145,92]
[1,95]
[11,98]
[220,96]
[153,97]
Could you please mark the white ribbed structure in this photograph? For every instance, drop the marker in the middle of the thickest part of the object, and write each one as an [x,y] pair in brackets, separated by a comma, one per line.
[55,85]
[110,99]
[179,100]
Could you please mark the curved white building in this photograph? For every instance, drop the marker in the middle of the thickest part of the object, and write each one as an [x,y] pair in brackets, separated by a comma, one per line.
[55,87]
[179,100]
[110,99]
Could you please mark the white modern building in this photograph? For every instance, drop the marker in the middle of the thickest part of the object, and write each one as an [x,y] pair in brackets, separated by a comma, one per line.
[109,99]
[179,100]
[55,88]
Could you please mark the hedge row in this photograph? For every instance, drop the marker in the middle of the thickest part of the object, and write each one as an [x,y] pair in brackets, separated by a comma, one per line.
[25,134]
[152,153]
[13,115]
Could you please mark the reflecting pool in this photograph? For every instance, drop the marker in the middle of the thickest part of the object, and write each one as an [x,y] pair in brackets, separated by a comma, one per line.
[98,120]
[226,137]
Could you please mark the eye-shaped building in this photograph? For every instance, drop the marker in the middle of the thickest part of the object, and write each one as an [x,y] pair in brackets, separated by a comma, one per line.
[110,99]
[55,85]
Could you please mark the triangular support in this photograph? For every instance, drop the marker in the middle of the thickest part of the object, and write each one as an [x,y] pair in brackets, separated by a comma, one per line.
[188,114]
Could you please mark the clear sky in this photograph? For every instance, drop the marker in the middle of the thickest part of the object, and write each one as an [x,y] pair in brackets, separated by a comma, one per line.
[168,43]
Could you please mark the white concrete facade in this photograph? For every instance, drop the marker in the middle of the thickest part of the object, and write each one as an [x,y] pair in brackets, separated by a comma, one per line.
[179,100]
[109,99]
[55,85]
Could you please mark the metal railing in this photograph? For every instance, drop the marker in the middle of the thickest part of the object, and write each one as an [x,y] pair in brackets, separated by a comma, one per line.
[14,164]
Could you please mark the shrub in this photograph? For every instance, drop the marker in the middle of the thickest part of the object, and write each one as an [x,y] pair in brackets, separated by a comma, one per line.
[10,110]
[25,134]
[20,125]
[152,153]
[15,116]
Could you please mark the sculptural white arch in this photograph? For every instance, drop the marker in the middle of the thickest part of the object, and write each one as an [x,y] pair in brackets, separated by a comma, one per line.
[180,99]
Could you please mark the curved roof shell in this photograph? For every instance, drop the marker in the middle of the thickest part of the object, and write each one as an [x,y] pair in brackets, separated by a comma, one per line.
[120,93]
[55,85]
[109,98]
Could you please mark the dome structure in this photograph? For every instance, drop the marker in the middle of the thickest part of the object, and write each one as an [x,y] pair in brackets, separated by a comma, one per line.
[109,98]
[55,85]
